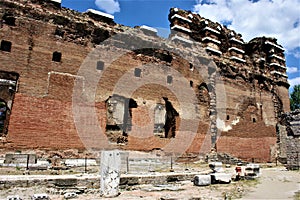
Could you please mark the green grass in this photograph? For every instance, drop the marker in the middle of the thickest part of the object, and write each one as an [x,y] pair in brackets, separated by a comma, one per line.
[297,195]
[239,189]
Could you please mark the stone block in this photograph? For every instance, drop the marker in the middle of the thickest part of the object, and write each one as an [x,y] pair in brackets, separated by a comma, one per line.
[202,180]
[221,178]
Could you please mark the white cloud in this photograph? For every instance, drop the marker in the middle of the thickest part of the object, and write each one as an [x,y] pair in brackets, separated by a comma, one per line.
[294,52]
[109,6]
[276,18]
[292,70]
[294,81]
[297,54]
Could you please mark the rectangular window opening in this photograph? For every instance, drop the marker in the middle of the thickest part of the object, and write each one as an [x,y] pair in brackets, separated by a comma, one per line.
[56,56]
[100,65]
[9,19]
[137,72]
[5,46]
[169,79]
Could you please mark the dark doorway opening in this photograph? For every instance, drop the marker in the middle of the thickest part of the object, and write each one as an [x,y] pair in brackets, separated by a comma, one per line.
[172,117]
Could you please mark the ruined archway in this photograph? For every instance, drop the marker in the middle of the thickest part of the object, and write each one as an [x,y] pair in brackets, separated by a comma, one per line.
[119,118]
[248,110]
[8,87]
[172,119]
[204,101]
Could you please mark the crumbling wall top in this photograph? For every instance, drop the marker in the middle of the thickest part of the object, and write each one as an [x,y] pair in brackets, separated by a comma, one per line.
[262,58]
[292,121]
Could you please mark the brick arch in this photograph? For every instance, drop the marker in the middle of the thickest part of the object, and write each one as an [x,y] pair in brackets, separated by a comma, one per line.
[204,100]
[160,95]
[248,110]
[204,88]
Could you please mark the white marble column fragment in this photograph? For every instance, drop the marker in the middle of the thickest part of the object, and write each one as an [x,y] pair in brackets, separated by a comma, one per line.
[110,173]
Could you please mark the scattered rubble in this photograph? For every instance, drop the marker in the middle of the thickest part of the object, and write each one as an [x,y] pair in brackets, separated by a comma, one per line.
[70,195]
[14,197]
[40,197]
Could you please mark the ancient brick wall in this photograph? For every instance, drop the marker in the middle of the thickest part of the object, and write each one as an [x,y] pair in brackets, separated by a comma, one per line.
[48,55]
[48,124]
[248,149]
[42,113]
[45,123]
[254,77]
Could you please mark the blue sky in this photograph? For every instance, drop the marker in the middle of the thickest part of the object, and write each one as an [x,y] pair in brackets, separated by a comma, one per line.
[251,18]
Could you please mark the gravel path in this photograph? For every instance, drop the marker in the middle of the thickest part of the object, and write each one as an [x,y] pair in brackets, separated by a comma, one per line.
[276,183]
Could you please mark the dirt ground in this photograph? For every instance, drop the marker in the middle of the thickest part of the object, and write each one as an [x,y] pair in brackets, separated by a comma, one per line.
[184,190]
[274,183]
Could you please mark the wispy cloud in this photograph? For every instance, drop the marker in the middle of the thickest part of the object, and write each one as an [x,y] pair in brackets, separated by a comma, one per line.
[292,70]
[276,18]
[294,81]
[109,6]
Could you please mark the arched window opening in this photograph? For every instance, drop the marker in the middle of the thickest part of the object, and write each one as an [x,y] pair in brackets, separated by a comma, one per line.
[203,98]
[203,94]
[191,84]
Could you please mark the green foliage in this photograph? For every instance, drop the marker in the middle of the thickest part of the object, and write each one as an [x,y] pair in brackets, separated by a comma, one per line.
[295,98]
[2,104]
[297,195]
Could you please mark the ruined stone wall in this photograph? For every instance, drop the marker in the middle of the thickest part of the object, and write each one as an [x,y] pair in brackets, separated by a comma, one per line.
[288,133]
[50,45]
[254,77]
